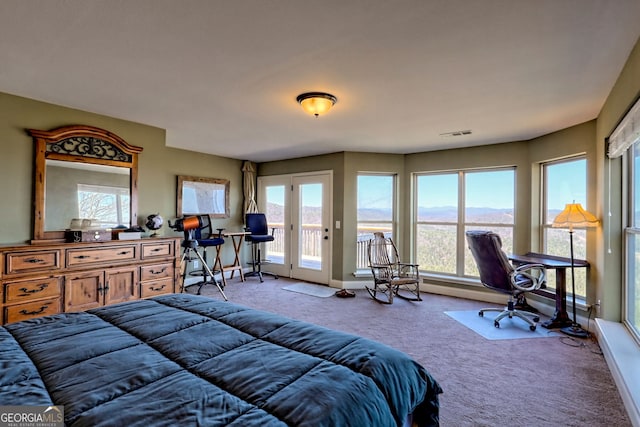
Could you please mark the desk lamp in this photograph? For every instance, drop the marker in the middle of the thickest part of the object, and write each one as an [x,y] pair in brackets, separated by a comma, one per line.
[574,215]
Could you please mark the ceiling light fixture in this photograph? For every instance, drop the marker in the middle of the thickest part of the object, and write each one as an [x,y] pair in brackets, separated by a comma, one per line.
[316,103]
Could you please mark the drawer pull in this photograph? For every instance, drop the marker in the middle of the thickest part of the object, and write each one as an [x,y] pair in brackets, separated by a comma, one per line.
[158,272]
[123,253]
[82,256]
[30,313]
[157,289]
[26,291]
[34,260]
[156,249]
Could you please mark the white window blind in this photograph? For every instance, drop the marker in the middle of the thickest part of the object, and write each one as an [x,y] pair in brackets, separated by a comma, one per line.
[626,133]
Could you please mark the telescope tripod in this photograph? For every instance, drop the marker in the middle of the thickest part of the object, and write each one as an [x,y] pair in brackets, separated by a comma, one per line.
[189,247]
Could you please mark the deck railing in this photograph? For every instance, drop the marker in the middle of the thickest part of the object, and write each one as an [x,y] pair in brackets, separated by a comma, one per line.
[312,242]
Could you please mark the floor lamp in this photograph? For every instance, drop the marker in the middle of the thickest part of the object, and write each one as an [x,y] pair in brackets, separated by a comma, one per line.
[574,215]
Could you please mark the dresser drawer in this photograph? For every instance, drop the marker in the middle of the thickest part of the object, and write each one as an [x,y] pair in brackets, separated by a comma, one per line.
[22,262]
[158,287]
[79,256]
[32,289]
[18,312]
[157,249]
[156,271]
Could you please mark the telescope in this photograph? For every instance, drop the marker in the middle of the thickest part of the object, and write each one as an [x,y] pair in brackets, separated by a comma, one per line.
[187,223]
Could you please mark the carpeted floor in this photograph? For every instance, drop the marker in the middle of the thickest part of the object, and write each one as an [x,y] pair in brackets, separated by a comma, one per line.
[549,381]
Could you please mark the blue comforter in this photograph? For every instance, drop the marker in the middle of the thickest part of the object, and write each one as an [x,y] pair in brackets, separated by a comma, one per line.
[187,360]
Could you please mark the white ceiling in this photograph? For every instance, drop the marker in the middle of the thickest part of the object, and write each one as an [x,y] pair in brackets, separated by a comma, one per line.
[221,76]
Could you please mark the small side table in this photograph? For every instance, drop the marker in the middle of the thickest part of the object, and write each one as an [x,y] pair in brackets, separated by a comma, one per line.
[237,237]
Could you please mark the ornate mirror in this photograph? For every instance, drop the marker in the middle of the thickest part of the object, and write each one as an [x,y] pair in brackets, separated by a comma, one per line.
[83,176]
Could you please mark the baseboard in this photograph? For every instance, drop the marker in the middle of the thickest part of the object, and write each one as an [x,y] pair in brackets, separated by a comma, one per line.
[622,354]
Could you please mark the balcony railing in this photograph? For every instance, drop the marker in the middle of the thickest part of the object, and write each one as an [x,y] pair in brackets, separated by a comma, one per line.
[312,243]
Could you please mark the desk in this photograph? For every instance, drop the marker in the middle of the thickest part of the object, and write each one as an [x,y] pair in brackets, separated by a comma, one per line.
[560,318]
[236,238]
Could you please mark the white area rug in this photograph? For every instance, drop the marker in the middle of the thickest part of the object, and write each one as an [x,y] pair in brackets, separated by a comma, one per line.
[513,328]
[311,289]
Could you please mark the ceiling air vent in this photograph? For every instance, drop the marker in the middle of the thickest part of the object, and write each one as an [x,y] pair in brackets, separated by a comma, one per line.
[456,133]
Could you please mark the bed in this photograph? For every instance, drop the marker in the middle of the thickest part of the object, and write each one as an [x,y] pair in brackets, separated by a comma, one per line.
[182,359]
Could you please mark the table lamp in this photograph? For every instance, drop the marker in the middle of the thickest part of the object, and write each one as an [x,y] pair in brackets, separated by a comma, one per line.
[574,215]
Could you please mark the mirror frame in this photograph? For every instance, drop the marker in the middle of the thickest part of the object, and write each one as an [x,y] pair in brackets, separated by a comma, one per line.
[80,144]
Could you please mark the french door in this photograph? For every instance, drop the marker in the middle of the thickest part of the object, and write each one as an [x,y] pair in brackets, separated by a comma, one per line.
[298,208]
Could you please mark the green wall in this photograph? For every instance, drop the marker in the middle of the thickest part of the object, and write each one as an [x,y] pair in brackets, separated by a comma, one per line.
[157,175]
[609,255]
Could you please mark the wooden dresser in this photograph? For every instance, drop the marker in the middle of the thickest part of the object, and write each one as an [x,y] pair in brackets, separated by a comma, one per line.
[39,280]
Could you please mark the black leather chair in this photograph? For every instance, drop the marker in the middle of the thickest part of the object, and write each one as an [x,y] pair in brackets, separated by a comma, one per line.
[498,274]
[256,224]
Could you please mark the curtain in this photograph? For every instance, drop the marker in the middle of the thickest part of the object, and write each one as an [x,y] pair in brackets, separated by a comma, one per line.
[249,187]
[626,133]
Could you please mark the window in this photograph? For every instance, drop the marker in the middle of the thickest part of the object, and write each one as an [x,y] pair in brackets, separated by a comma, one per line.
[563,182]
[106,206]
[632,244]
[448,204]
[375,211]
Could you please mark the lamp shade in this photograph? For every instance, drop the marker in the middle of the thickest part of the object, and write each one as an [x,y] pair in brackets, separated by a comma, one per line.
[316,103]
[574,215]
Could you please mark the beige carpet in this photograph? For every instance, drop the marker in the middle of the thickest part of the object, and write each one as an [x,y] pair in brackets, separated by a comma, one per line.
[543,382]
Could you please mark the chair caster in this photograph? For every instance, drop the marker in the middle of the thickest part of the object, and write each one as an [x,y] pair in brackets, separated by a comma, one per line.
[496,324]
[532,328]
[536,319]
[481,313]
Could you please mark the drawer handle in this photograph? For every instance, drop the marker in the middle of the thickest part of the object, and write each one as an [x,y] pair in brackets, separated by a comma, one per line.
[124,253]
[29,313]
[82,256]
[157,289]
[158,272]
[156,249]
[34,260]
[26,291]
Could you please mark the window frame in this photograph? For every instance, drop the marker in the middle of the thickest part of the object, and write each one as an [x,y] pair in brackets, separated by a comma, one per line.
[545,222]
[394,211]
[630,230]
[461,224]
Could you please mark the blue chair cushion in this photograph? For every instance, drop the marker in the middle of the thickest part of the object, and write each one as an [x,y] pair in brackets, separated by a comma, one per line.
[259,238]
[216,241]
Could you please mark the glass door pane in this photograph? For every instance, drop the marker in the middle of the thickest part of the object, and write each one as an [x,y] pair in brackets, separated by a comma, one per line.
[275,211]
[310,226]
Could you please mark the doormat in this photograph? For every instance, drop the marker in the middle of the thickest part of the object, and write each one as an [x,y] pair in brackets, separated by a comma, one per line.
[311,289]
[513,328]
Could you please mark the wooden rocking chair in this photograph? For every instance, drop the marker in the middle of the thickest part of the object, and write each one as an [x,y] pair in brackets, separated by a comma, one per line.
[390,276]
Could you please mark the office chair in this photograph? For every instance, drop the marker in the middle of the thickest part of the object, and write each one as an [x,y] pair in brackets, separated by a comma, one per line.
[498,274]
[206,239]
[390,276]
[256,224]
